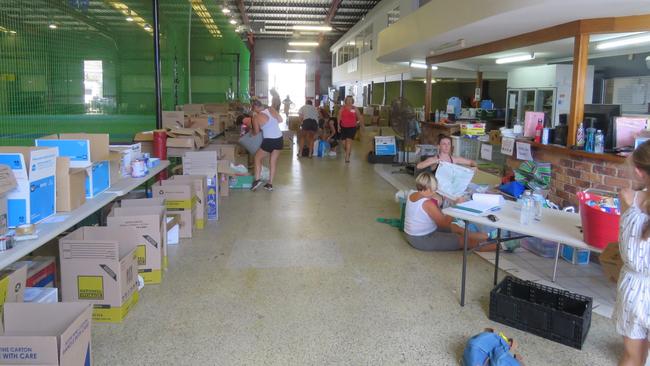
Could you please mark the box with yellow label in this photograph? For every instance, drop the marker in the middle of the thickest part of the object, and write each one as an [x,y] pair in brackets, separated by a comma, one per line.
[179,198]
[99,266]
[149,222]
[201,189]
[12,285]
[150,202]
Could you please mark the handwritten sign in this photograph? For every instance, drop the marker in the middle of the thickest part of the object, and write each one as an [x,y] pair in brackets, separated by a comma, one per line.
[507,146]
[486,152]
[524,152]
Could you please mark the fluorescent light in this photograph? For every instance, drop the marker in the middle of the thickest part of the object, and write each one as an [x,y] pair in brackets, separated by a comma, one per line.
[147,27]
[298,51]
[129,19]
[627,41]
[517,58]
[419,65]
[225,10]
[433,81]
[297,61]
[233,21]
[12,32]
[305,44]
[321,28]
[53,26]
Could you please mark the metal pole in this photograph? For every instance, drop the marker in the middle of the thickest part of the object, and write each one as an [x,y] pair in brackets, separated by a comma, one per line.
[383,100]
[462,286]
[496,257]
[401,85]
[156,59]
[238,76]
[189,55]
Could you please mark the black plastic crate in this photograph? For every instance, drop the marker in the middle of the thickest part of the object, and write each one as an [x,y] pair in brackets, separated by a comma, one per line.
[554,314]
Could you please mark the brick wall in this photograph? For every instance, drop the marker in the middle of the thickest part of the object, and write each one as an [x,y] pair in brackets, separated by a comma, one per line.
[571,174]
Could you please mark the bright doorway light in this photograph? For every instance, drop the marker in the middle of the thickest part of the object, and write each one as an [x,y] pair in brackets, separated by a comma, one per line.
[303,44]
[288,79]
[93,85]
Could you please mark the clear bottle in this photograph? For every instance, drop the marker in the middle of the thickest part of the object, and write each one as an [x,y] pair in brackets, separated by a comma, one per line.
[580,136]
[526,209]
[437,116]
[599,145]
[538,204]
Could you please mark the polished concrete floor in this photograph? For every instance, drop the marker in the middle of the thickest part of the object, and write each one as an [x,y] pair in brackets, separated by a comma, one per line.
[305,276]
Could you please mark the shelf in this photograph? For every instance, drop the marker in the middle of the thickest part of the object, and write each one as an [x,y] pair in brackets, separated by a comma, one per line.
[579,153]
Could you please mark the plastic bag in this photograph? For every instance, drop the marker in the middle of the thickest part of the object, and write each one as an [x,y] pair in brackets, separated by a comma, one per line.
[265,174]
[534,175]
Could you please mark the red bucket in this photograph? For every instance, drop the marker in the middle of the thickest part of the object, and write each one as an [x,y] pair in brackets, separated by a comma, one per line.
[599,228]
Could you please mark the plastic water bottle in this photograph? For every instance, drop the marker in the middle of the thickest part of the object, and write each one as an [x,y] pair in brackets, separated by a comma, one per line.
[526,209]
[599,145]
[538,204]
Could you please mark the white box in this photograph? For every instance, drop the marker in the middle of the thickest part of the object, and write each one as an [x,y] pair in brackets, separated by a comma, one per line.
[385,146]
[127,154]
[34,197]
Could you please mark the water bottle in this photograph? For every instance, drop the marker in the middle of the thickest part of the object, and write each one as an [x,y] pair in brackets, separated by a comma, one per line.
[590,143]
[538,200]
[437,116]
[526,208]
[599,145]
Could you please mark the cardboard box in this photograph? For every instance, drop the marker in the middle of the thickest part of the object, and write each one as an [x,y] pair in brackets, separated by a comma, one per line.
[47,334]
[180,198]
[216,108]
[495,137]
[225,151]
[241,181]
[472,129]
[12,286]
[42,295]
[205,163]
[151,227]
[201,191]
[41,271]
[189,138]
[99,266]
[149,202]
[98,178]
[125,155]
[173,229]
[70,186]
[193,109]
[610,260]
[175,119]
[7,184]
[83,149]
[34,197]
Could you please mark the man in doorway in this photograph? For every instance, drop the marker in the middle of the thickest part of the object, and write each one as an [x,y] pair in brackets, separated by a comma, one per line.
[308,128]
[287,106]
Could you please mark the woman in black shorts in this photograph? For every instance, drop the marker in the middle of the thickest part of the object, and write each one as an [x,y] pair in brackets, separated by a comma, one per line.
[309,127]
[267,121]
[349,119]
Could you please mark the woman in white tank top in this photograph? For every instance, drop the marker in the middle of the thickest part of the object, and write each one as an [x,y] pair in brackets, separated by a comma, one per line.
[632,309]
[267,121]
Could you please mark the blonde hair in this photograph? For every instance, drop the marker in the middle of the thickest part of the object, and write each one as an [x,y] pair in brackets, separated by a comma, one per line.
[641,161]
[424,181]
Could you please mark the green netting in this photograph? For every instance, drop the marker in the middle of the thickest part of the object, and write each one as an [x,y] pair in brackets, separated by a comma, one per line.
[42,88]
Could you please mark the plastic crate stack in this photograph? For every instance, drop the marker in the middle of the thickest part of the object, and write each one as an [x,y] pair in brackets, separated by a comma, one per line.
[466,147]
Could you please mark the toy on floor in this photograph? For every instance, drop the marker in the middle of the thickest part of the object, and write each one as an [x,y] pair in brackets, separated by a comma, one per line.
[490,349]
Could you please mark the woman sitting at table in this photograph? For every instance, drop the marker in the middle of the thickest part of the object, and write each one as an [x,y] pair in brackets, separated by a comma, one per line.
[427,228]
[445,150]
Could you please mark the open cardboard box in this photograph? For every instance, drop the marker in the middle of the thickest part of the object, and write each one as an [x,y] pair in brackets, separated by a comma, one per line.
[201,189]
[99,266]
[13,280]
[175,119]
[149,223]
[150,202]
[190,138]
[180,198]
[70,185]
[34,197]
[47,334]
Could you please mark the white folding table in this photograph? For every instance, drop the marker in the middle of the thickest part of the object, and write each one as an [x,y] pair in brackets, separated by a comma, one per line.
[558,226]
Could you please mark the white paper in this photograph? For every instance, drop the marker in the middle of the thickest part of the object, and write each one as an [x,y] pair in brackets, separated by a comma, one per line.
[489,199]
[486,152]
[453,179]
[507,146]
[523,151]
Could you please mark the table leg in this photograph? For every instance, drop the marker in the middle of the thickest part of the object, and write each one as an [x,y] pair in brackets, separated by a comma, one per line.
[496,258]
[465,240]
[557,256]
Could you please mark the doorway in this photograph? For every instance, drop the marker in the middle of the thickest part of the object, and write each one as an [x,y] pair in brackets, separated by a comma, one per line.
[93,85]
[288,79]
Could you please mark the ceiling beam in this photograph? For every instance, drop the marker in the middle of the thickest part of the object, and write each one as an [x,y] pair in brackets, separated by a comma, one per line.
[334,7]
[242,12]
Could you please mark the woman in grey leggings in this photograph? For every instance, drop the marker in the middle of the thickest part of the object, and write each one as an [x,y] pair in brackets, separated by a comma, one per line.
[425,226]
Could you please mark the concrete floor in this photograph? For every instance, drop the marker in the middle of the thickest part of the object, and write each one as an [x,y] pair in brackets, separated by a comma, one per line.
[341,289]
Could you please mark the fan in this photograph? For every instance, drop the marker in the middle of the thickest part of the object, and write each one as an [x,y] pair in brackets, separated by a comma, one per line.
[404,122]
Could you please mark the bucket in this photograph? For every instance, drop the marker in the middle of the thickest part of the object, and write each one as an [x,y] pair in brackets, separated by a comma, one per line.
[599,228]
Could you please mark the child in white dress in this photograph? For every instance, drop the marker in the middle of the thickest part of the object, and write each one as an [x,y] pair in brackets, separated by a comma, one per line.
[632,310]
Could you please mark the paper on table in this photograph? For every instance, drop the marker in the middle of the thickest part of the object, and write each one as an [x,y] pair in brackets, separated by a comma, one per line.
[486,152]
[453,179]
[490,199]
[476,207]
[524,152]
[507,146]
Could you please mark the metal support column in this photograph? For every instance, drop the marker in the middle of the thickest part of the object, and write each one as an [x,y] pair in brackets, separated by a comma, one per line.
[156,59]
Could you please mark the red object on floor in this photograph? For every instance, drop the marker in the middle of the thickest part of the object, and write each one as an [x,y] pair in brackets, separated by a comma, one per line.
[160,149]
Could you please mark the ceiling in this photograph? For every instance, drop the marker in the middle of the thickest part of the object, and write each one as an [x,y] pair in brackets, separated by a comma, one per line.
[276,18]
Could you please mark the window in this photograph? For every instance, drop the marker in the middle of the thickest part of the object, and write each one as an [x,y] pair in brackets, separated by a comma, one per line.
[93,85]
[393,16]
[334,59]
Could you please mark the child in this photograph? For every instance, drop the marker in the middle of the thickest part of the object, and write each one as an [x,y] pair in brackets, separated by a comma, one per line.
[632,309]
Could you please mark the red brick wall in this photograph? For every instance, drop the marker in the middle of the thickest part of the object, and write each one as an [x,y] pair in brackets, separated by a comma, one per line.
[571,174]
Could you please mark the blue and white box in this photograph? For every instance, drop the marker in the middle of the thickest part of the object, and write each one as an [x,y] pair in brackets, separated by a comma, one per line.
[87,151]
[385,146]
[34,197]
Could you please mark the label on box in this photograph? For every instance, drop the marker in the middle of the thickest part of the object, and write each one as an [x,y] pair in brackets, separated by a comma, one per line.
[76,150]
[507,146]
[385,146]
[486,152]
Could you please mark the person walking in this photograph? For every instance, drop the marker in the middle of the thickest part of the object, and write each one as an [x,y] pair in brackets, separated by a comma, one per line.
[349,119]
[632,308]
[267,121]
[309,117]
[275,99]
[287,106]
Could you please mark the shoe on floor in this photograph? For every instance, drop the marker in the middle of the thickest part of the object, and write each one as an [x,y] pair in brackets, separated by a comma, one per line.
[256,184]
[268,187]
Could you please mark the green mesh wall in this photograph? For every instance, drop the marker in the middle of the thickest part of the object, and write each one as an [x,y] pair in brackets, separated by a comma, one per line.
[42,69]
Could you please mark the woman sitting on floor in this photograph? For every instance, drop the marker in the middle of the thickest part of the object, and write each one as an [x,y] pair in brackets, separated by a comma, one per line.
[427,228]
